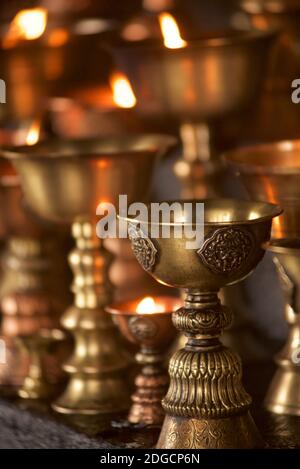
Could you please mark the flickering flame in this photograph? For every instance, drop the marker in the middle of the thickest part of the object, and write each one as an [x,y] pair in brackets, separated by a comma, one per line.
[28,24]
[33,133]
[170,32]
[123,94]
[149,306]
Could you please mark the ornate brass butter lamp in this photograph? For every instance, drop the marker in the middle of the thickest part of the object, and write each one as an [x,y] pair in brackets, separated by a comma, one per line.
[197,83]
[28,308]
[206,405]
[147,322]
[272,172]
[283,395]
[65,181]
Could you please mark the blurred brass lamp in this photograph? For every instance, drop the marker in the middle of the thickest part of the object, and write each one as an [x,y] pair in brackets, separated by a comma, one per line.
[206,405]
[283,396]
[272,172]
[64,182]
[196,82]
[27,284]
[147,322]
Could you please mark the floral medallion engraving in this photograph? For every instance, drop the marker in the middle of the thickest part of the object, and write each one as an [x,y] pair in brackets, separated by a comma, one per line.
[142,328]
[143,248]
[226,250]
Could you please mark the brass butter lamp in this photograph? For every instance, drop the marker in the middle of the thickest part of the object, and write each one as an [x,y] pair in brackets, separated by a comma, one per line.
[147,322]
[283,396]
[272,172]
[64,181]
[29,310]
[196,83]
[206,405]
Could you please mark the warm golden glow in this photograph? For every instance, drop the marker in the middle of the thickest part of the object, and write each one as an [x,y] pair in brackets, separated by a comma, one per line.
[170,32]
[33,133]
[58,37]
[149,306]
[28,24]
[122,92]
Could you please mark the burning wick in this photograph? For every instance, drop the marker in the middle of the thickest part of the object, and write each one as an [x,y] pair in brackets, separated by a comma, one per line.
[28,24]
[170,32]
[33,133]
[122,92]
[149,306]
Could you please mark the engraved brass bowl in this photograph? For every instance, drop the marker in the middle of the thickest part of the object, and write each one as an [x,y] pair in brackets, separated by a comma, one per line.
[271,172]
[179,267]
[206,399]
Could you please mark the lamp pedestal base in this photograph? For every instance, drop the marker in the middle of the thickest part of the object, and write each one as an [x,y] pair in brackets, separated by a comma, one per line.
[235,432]
[206,405]
[97,383]
[151,385]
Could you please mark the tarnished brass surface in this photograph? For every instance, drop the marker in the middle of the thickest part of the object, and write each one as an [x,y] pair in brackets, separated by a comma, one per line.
[65,181]
[271,172]
[205,390]
[153,333]
[283,396]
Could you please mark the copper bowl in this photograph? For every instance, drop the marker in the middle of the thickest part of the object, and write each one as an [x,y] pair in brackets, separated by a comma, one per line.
[271,172]
[152,330]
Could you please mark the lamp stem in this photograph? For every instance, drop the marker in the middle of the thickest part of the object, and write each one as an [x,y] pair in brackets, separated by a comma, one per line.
[96,368]
[206,404]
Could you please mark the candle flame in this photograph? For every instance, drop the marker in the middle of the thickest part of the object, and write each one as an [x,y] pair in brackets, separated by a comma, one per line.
[149,306]
[28,24]
[123,94]
[33,134]
[170,32]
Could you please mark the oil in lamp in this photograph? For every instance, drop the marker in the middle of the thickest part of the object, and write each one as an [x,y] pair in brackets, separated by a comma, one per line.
[196,82]
[147,322]
[64,181]
[271,172]
[206,405]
